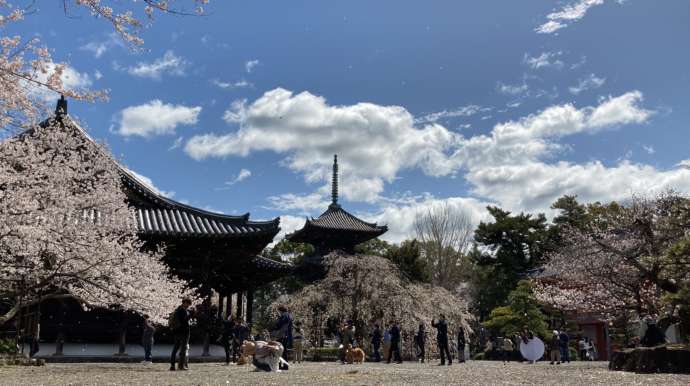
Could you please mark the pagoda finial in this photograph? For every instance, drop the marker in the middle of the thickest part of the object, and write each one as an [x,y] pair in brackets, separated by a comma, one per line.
[334,182]
[61,108]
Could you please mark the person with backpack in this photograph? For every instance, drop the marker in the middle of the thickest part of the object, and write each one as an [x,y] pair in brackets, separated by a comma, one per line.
[179,324]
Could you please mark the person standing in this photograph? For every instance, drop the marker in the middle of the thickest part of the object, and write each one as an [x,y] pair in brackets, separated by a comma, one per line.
[565,347]
[228,338]
[394,350]
[555,348]
[297,339]
[284,330]
[506,349]
[147,339]
[442,339]
[181,330]
[347,338]
[240,334]
[376,342]
[386,344]
[420,342]
[582,347]
[461,345]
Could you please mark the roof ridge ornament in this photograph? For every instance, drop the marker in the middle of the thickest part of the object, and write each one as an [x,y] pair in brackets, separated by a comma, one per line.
[61,108]
[334,182]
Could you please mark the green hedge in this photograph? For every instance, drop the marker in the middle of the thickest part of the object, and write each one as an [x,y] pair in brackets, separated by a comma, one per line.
[324,353]
[8,346]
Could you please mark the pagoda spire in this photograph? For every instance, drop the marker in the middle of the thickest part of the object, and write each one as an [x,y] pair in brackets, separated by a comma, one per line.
[61,108]
[334,181]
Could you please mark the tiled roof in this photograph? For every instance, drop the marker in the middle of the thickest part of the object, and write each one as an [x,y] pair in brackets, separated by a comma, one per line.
[334,220]
[161,215]
[335,217]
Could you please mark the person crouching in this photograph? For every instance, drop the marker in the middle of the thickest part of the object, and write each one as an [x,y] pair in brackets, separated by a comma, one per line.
[267,356]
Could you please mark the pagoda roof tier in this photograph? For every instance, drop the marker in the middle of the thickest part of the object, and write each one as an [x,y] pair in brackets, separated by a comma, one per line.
[336,229]
[336,220]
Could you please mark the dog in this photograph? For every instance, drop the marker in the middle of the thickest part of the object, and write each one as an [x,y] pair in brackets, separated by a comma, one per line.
[354,355]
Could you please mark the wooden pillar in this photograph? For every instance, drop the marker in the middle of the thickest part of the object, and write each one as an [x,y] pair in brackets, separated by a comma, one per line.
[250,305]
[208,318]
[220,306]
[228,306]
[239,305]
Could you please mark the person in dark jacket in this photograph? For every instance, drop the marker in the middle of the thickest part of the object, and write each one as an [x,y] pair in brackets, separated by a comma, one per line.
[228,337]
[283,330]
[565,347]
[147,339]
[442,339]
[376,337]
[181,333]
[653,336]
[240,333]
[461,345]
[420,342]
[395,344]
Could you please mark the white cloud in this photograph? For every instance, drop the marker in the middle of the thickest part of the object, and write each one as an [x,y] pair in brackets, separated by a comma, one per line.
[156,118]
[98,48]
[241,176]
[177,143]
[377,141]
[288,224]
[250,64]
[589,82]
[685,164]
[649,149]
[512,89]
[400,218]
[544,60]
[72,80]
[168,64]
[98,75]
[509,166]
[149,183]
[305,204]
[569,14]
[230,85]
[463,111]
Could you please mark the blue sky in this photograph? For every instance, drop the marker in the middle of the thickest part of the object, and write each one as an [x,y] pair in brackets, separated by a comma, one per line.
[511,103]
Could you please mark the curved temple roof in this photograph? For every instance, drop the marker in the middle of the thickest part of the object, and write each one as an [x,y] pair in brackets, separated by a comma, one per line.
[159,215]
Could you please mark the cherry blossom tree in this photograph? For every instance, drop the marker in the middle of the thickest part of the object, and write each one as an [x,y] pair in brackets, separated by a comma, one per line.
[620,257]
[66,230]
[27,70]
[371,289]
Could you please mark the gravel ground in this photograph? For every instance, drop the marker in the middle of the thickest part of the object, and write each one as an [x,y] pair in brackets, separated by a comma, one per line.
[473,373]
